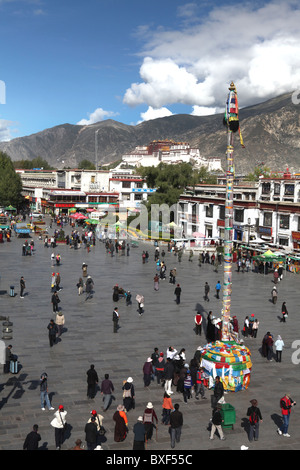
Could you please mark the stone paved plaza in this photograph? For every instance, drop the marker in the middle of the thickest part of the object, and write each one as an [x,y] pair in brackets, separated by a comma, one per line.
[89,339]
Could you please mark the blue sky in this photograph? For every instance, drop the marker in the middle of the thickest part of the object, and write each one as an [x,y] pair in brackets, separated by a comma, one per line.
[71,61]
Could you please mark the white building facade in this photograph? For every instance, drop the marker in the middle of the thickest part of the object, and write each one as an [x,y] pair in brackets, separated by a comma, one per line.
[170,153]
[202,211]
[267,211]
[132,189]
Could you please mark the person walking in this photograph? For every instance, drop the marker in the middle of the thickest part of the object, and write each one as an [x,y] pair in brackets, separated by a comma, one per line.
[200,389]
[89,285]
[44,392]
[139,434]
[218,288]
[59,423]
[206,291]
[52,329]
[218,396]
[246,327]
[187,386]
[91,433]
[57,282]
[55,300]
[168,375]
[8,357]
[254,419]
[216,423]
[177,292]
[60,323]
[159,369]
[154,357]
[149,419]
[79,285]
[284,312]
[121,426]
[198,323]
[128,394]
[176,423]
[269,344]
[92,381]
[141,301]
[286,404]
[128,297]
[106,390]
[167,408]
[98,421]
[115,319]
[172,276]
[84,269]
[148,372]
[279,344]
[274,295]
[255,328]
[22,287]
[32,439]
[52,283]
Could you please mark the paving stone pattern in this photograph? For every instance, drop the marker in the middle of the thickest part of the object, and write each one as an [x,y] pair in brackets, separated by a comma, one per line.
[89,339]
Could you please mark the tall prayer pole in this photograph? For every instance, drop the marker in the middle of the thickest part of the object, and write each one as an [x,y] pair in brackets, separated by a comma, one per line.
[231,120]
[228,358]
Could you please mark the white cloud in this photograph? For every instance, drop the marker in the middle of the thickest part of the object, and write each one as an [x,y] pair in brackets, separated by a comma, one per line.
[153,113]
[98,115]
[205,110]
[5,131]
[165,82]
[256,47]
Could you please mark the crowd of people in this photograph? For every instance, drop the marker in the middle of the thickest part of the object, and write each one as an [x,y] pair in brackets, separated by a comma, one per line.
[169,370]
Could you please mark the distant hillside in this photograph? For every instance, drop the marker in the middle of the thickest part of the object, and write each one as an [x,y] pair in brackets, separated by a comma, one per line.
[271,132]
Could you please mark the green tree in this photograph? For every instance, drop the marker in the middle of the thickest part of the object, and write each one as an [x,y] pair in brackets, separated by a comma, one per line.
[86,165]
[37,162]
[204,176]
[171,180]
[258,171]
[10,182]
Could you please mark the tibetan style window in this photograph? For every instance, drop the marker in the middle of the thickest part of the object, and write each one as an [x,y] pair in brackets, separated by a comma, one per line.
[209,210]
[289,189]
[284,221]
[277,189]
[266,188]
[239,215]
[267,219]
[222,213]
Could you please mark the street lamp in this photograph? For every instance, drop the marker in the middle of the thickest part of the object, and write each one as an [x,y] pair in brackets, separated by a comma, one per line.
[96,148]
[249,225]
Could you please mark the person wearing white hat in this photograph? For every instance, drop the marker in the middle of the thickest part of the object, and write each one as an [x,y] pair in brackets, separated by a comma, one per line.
[139,435]
[149,419]
[148,371]
[128,394]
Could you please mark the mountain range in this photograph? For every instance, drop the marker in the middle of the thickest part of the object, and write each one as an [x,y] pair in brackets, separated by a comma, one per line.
[271,134]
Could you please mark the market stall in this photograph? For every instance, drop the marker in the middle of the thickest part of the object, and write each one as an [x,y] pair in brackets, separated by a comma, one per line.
[271,259]
[293,264]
